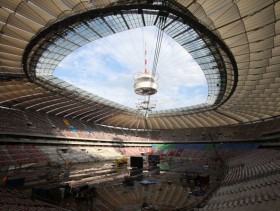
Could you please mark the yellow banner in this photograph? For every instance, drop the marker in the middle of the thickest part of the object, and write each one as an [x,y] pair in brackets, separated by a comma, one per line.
[66,122]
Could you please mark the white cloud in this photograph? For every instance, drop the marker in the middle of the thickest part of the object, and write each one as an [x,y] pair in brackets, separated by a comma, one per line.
[106,68]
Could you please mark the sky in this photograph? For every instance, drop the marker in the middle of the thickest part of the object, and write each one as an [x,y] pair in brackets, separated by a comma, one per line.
[107,66]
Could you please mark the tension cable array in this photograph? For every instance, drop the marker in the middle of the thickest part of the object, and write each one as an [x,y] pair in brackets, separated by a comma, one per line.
[162,21]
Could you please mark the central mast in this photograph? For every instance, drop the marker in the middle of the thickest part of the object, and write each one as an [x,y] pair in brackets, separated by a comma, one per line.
[145,84]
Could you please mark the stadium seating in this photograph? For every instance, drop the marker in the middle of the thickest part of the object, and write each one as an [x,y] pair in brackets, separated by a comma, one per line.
[36,153]
[5,158]
[163,195]
[15,201]
[252,182]
[136,151]
[35,123]
[21,154]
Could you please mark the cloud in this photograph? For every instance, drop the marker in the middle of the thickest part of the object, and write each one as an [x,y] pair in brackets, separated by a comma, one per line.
[106,67]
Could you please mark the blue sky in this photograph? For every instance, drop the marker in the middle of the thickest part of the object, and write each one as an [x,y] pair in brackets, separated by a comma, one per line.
[106,68]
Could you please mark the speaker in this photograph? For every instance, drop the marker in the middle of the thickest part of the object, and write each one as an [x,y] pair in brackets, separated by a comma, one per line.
[16,182]
[136,162]
[154,160]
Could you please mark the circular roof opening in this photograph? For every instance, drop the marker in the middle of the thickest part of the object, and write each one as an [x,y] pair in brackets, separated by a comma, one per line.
[106,68]
[52,45]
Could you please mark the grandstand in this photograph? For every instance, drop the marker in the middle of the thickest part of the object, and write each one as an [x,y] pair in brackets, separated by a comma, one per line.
[60,144]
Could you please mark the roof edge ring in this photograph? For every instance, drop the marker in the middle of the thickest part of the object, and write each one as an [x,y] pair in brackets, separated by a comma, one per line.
[218,48]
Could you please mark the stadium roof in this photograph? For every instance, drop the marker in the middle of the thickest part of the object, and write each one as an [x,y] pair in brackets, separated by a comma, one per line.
[238,41]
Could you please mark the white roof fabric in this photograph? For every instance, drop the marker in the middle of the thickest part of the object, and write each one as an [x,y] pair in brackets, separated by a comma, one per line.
[250,29]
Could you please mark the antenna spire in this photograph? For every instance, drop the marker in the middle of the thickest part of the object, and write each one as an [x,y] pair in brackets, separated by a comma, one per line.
[146,71]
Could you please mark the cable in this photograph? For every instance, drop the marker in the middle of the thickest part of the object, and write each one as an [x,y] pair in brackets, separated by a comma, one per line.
[133,45]
[162,23]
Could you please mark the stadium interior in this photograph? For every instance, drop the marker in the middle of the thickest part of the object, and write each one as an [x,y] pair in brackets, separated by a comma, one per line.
[65,148]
